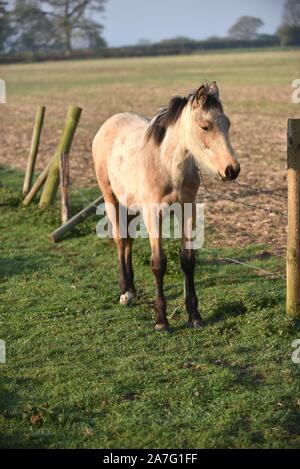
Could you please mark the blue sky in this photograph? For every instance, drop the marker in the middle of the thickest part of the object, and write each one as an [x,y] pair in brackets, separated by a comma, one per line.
[127,21]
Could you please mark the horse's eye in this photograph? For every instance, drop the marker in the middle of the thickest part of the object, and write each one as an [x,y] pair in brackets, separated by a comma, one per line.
[205,128]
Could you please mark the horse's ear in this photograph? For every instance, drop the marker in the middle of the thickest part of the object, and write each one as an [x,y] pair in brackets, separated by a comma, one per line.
[200,95]
[214,90]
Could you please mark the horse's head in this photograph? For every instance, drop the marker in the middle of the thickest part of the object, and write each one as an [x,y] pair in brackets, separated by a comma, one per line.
[207,133]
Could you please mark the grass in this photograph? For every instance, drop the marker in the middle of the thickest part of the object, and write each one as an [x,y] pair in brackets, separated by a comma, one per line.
[82,371]
[235,67]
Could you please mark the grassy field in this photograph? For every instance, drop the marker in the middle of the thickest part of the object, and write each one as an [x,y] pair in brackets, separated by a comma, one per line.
[81,370]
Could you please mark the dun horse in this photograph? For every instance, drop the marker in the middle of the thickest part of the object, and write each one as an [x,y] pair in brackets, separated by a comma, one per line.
[157,162]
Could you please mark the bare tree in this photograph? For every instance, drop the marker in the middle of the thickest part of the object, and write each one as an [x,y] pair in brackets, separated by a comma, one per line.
[73,19]
[291,13]
[4,24]
[31,30]
[246,27]
[289,31]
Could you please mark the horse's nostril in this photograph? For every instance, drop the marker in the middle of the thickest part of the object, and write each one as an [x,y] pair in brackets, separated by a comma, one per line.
[232,173]
[229,172]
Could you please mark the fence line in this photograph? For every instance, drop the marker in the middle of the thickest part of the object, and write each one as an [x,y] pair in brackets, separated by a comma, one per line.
[208,251]
[235,261]
[81,195]
[261,191]
[232,198]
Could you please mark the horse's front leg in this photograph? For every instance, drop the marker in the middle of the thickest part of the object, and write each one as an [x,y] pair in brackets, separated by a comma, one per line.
[159,267]
[188,264]
[153,222]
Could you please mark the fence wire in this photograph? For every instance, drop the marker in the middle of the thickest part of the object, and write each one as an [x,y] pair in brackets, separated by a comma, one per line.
[234,198]
[231,198]
[262,191]
[250,266]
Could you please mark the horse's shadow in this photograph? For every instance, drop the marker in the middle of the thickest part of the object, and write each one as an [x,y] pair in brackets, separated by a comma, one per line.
[227,310]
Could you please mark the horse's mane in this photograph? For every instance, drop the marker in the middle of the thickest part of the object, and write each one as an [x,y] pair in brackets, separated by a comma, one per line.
[169,115]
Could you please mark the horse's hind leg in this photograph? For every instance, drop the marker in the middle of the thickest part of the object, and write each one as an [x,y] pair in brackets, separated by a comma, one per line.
[124,246]
[116,216]
[129,266]
[127,294]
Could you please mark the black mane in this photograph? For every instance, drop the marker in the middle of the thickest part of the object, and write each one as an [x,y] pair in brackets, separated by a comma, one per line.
[170,114]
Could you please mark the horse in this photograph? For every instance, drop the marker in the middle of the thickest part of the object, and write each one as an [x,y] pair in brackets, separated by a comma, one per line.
[149,163]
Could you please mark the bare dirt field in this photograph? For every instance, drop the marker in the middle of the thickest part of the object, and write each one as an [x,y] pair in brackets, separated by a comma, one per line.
[255,90]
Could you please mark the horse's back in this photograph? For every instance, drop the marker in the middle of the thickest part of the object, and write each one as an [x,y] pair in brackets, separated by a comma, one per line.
[119,126]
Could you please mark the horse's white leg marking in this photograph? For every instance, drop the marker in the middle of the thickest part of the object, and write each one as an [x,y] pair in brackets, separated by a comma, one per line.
[127,298]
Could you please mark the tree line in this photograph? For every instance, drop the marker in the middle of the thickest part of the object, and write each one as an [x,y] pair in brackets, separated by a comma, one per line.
[50,25]
[57,29]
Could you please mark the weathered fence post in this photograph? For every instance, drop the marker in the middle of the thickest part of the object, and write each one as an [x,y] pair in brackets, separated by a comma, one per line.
[293,244]
[78,218]
[51,185]
[64,188]
[35,142]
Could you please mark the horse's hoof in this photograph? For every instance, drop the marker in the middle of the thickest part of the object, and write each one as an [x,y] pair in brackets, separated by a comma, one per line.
[161,327]
[126,298]
[196,324]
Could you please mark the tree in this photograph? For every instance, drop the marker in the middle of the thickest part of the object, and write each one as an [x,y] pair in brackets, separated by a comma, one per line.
[289,31]
[177,41]
[72,19]
[5,29]
[291,15]
[289,35]
[32,31]
[246,27]
[143,42]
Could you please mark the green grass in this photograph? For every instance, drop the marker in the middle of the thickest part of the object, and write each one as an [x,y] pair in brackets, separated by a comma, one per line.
[238,67]
[82,371]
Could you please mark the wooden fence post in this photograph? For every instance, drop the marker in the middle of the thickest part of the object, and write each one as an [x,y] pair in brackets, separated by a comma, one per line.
[64,188]
[78,218]
[51,185]
[35,142]
[293,244]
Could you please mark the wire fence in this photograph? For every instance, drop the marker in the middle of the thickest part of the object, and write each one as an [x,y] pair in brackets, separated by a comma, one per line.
[264,272]
[232,197]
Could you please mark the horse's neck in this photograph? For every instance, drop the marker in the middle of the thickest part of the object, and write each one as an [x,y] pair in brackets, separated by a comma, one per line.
[174,155]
